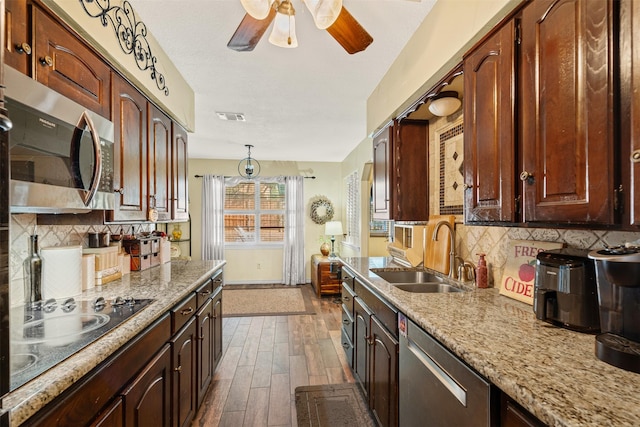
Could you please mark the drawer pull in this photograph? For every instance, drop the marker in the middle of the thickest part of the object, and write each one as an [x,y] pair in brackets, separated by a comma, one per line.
[346,345]
[346,321]
[186,311]
[205,292]
[346,299]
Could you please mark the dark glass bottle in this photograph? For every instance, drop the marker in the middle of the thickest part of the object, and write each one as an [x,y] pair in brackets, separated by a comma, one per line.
[33,274]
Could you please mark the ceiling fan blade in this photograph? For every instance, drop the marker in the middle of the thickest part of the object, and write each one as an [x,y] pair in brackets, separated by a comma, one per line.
[349,33]
[249,32]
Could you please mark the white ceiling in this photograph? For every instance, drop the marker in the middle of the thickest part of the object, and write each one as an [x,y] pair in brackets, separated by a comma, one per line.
[303,104]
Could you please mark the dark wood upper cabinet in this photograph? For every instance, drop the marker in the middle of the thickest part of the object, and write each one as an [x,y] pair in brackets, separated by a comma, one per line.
[566,112]
[489,115]
[401,171]
[629,63]
[381,176]
[180,185]
[17,48]
[159,163]
[65,64]
[130,153]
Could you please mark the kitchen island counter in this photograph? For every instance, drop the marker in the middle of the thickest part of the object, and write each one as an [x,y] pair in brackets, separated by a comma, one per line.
[552,372]
[166,284]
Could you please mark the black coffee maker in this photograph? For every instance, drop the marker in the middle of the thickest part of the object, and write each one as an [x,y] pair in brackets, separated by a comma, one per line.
[618,279]
[565,290]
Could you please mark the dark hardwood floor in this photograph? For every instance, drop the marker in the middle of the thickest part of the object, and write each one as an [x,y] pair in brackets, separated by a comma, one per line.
[266,358]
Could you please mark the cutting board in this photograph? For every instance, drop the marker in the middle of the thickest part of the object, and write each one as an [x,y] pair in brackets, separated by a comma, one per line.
[436,256]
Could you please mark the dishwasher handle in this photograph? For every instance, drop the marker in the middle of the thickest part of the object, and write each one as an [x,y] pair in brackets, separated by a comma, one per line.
[449,382]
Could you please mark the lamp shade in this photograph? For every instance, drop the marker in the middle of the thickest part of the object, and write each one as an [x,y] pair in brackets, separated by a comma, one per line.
[333,228]
[258,9]
[445,104]
[284,31]
[324,12]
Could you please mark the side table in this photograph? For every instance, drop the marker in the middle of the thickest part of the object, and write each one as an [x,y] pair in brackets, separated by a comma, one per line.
[325,275]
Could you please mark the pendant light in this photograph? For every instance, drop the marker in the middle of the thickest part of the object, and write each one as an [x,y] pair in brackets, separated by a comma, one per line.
[284,26]
[324,12]
[249,167]
[258,9]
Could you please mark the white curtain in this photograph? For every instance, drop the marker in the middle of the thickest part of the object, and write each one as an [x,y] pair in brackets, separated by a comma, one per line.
[213,217]
[293,268]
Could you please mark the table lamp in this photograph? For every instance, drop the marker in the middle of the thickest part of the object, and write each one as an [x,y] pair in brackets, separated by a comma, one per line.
[332,228]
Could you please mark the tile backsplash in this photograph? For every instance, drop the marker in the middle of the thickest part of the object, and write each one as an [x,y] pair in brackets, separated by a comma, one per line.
[23,225]
[472,240]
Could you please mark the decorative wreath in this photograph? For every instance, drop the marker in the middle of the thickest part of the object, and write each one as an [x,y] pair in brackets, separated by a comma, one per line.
[321,210]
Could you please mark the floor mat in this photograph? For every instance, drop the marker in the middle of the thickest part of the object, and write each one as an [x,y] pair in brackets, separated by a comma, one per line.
[272,300]
[331,405]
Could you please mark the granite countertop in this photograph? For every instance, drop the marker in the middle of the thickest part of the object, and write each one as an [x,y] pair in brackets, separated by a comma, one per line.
[552,372]
[167,284]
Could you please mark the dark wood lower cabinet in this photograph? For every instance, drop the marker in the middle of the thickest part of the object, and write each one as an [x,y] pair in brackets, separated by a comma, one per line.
[217,326]
[513,415]
[204,363]
[183,378]
[383,383]
[375,360]
[113,416]
[147,399]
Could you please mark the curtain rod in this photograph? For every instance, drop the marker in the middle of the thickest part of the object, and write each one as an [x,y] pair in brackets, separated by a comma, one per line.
[306,177]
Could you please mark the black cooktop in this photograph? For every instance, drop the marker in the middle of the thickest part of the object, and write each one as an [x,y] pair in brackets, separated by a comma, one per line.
[48,332]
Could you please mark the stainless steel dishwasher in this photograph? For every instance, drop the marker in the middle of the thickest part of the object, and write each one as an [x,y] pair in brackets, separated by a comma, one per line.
[436,389]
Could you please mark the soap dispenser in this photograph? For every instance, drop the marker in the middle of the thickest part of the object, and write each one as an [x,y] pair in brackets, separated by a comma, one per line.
[481,273]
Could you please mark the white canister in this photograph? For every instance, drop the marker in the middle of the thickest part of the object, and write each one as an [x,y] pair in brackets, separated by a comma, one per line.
[61,271]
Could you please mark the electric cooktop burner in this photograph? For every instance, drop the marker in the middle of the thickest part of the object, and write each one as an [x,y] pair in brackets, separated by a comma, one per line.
[48,332]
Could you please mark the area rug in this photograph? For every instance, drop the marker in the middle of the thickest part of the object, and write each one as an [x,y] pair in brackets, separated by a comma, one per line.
[331,405]
[272,300]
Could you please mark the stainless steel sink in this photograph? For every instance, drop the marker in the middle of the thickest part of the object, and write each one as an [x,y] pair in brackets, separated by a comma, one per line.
[402,276]
[427,288]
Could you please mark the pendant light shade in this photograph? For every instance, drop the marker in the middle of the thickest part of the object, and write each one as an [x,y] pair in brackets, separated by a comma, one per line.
[324,12]
[258,9]
[249,167]
[445,103]
[284,26]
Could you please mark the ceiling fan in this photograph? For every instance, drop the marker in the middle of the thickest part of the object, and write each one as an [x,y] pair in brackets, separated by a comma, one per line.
[327,14]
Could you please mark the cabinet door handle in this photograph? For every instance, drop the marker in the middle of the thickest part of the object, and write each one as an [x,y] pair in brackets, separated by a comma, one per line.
[187,311]
[635,156]
[526,177]
[345,345]
[46,60]
[346,299]
[119,190]
[346,321]
[466,186]
[178,368]
[23,48]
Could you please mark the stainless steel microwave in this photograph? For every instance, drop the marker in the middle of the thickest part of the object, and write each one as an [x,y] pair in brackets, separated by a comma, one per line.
[61,154]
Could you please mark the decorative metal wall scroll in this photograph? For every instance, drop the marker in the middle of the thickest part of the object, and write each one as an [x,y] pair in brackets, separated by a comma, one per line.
[131,34]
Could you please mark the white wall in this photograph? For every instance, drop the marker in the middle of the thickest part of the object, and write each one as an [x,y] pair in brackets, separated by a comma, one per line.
[242,265]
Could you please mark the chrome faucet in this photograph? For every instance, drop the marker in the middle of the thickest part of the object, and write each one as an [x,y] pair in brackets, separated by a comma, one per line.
[452,242]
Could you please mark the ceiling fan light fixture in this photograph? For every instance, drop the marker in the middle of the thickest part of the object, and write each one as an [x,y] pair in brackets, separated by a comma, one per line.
[258,9]
[324,12]
[445,103]
[284,26]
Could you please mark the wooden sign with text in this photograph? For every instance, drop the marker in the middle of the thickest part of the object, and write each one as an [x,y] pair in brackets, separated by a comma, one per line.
[520,269]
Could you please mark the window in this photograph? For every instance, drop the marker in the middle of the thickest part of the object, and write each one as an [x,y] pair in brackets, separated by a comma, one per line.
[254,212]
[353,209]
